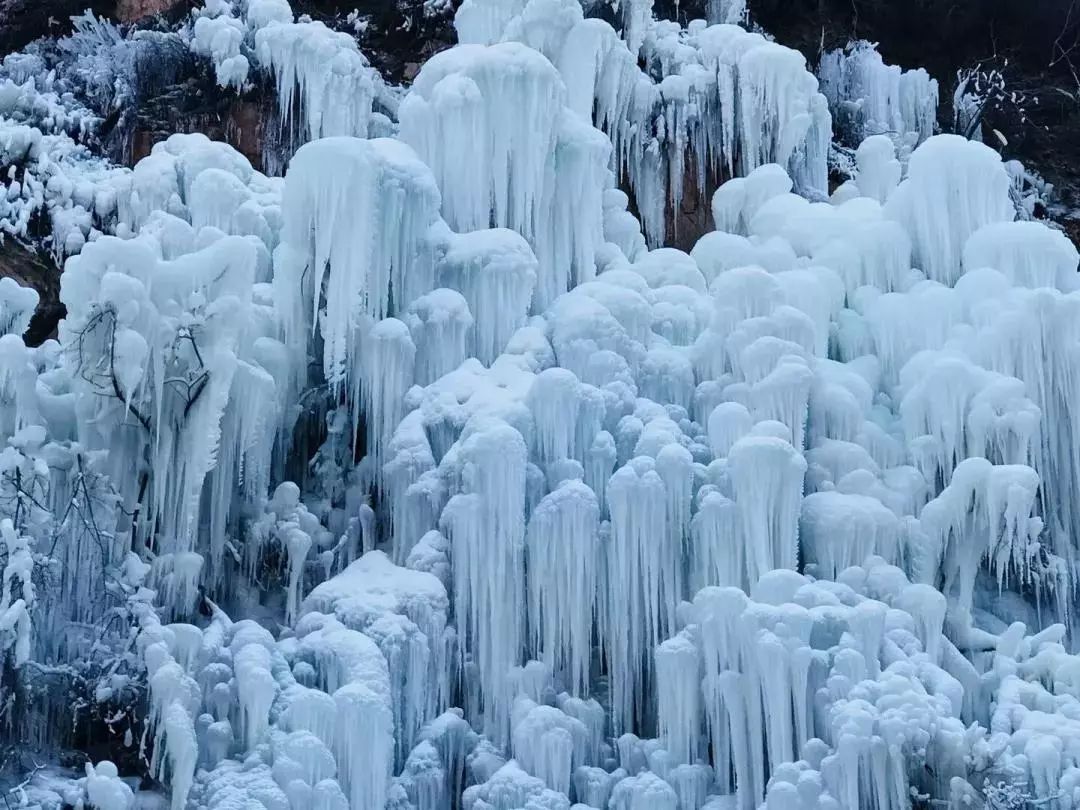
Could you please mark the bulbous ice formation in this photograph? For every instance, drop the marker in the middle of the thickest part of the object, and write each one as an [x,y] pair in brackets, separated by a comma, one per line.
[954,187]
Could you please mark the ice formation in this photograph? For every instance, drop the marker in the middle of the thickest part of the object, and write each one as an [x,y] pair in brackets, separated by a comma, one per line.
[515,512]
[869,97]
[540,172]
[711,100]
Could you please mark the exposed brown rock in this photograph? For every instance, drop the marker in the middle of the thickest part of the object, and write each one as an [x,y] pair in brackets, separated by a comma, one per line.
[243,123]
[35,270]
[134,10]
[23,21]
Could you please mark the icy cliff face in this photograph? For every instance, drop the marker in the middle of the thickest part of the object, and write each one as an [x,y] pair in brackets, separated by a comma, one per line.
[422,478]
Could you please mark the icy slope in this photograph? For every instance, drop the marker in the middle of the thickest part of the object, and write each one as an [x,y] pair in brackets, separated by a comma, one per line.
[784,522]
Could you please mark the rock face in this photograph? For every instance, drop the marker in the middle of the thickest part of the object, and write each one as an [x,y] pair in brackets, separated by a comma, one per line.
[22,21]
[245,123]
[397,35]
[35,270]
[133,10]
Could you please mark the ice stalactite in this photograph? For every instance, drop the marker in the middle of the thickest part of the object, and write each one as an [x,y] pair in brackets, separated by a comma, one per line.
[730,12]
[554,400]
[406,613]
[496,272]
[17,596]
[783,119]
[678,687]
[879,170]
[548,743]
[957,410]
[482,22]
[636,20]
[697,82]
[646,790]
[486,527]
[320,73]
[769,515]
[120,313]
[539,172]
[349,665]
[17,305]
[745,644]
[386,369]
[641,571]
[985,512]
[373,269]
[563,559]
[244,458]
[219,38]
[953,188]
[869,97]
[838,530]
[441,325]
[1028,253]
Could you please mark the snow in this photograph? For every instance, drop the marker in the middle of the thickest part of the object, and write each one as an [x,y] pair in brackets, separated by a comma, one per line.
[104,788]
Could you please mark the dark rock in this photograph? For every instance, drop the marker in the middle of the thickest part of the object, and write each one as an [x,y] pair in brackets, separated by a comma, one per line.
[23,21]
[36,270]
[134,10]
[397,35]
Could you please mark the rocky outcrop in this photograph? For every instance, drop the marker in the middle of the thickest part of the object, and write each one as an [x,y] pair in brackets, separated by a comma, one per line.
[129,11]
[247,123]
[23,21]
[397,35]
[31,269]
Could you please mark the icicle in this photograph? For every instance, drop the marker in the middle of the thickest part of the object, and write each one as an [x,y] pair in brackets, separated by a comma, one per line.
[777,113]
[405,612]
[640,582]
[539,172]
[355,215]
[440,322]
[482,22]
[869,97]
[838,531]
[1029,254]
[954,187]
[678,689]
[385,372]
[563,562]
[495,270]
[767,479]
[554,399]
[322,73]
[644,792]
[548,744]
[486,528]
